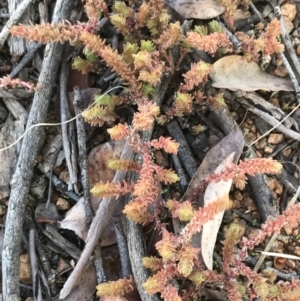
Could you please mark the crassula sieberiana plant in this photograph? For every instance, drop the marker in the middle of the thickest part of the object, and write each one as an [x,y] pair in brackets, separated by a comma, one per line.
[148,35]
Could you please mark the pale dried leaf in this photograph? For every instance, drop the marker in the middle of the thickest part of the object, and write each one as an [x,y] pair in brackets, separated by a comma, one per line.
[214,191]
[233,142]
[197,9]
[233,72]
[75,220]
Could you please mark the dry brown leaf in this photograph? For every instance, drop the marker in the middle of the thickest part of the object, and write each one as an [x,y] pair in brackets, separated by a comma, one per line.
[98,158]
[197,9]
[233,72]
[85,286]
[50,153]
[44,214]
[77,78]
[113,298]
[214,294]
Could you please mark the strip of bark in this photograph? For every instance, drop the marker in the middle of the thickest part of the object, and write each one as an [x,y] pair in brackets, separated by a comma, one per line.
[184,151]
[59,184]
[81,137]
[14,19]
[22,177]
[67,129]
[61,242]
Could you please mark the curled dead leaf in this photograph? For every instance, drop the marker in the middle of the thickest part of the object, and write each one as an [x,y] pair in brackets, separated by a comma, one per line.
[279,263]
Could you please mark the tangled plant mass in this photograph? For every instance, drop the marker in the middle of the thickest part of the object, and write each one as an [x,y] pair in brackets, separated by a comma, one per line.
[141,64]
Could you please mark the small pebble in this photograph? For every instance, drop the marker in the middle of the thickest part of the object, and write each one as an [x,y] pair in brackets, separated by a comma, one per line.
[297,250]
[261,144]
[278,62]
[251,137]
[278,187]
[290,263]
[289,10]
[258,154]
[268,150]
[238,195]
[249,203]
[252,128]
[275,138]
[25,270]
[236,204]
[64,176]
[271,182]
[62,204]
[281,71]
[288,230]
[298,50]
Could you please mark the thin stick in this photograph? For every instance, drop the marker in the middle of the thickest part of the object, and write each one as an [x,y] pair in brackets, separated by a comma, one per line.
[289,49]
[257,13]
[98,263]
[67,130]
[26,58]
[123,250]
[37,290]
[78,104]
